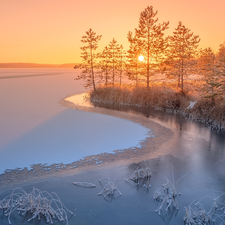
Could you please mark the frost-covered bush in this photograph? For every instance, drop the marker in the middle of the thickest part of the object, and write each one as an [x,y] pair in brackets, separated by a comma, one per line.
[109,190]
[37,203]
[140,177]
[197,214]
[167,195]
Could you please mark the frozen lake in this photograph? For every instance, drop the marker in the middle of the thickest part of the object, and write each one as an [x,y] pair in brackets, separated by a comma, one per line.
[35,128]
[192,149]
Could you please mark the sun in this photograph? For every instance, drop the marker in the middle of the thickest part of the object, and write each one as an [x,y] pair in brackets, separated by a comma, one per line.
[141,58]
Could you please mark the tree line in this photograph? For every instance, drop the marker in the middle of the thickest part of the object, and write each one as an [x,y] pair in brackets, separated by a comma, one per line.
[177,56]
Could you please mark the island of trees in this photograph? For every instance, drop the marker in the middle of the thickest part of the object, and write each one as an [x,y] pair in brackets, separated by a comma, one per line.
[165,72]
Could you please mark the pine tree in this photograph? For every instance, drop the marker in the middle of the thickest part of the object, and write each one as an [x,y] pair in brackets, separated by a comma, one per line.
[221,69]
[150,34]
[206,64]
[182,52]
[89,58]
[104,64]
[114,53]
[122,57]
[221,52]
[213,71]
[133,65]
[206,60]
[220,73]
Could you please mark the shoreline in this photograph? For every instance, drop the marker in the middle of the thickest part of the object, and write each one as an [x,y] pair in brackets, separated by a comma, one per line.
[196,109]
[171,154]
[151,147]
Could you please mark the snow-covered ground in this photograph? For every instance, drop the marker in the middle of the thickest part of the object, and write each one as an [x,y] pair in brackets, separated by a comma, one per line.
[35,128]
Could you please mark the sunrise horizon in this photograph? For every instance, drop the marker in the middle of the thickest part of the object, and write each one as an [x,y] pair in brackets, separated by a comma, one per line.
[54,38]
[36,65]
[112,112]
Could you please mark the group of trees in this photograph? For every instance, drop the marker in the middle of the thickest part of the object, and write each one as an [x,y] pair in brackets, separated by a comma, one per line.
[212,68]
[100,67]
[177,56]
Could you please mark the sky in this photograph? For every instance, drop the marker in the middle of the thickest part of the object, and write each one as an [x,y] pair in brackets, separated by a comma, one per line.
[49,31]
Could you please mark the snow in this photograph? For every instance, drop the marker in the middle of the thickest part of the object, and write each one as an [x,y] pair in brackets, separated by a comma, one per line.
[191,104]
[70,136]
[35,128]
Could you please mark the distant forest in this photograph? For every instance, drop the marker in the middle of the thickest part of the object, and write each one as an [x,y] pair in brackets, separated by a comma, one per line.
[36,65]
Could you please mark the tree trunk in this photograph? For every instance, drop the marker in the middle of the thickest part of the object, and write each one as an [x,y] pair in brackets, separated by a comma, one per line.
[136,77]
[182,76]
[148,59]
[92,72]
[106,76]
[213,99]
[178,81]
[121,69]
[113,67]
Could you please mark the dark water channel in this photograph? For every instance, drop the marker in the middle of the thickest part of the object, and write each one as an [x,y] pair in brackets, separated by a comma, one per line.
[196,151]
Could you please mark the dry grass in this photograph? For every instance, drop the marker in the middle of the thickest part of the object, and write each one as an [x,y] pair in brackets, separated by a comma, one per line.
[167,97]
[37,204]
[159,95]
[197,214]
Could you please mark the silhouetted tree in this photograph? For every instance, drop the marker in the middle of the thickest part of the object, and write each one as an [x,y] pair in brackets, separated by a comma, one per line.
[104,65]
[122,62]
[182,52]
[220,72]
[150,34]
[114,52]
[89,58]
[221,52]
[213,70]
[206,65]
[133,64]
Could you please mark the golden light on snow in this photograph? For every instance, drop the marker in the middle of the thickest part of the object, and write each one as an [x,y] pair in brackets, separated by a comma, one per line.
[141,58]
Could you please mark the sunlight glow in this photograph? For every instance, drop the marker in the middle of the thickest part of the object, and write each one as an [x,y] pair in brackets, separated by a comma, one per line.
[141,58]
[56,39]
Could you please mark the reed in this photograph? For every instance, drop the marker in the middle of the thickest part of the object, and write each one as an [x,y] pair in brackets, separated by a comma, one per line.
[37,203]
[197,214]
[166,97]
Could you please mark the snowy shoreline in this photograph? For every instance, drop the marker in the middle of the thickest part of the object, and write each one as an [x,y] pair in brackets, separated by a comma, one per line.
[197,110]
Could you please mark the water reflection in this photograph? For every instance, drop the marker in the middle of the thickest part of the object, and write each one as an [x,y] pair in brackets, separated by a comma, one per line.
[197,147]
[196,151]
[215,139]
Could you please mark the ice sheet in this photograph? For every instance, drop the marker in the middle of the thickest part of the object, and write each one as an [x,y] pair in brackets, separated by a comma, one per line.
[36,129]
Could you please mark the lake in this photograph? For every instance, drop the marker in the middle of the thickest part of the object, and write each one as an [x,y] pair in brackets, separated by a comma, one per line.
[192,150]
[35,128]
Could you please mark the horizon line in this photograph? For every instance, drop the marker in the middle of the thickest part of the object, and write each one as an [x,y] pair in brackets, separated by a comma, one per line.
[36,63]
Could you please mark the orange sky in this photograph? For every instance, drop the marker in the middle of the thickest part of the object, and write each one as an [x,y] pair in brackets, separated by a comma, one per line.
[49,31]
